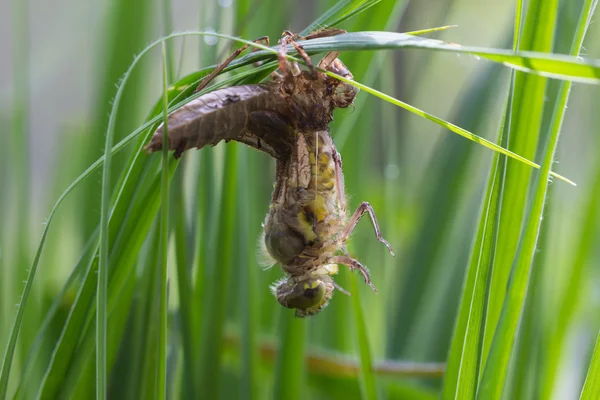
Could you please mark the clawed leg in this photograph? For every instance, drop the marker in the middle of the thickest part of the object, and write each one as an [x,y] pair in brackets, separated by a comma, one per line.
[207,79]
[290,38]
[341,289]
[328,59]
[360,211]
[354,264]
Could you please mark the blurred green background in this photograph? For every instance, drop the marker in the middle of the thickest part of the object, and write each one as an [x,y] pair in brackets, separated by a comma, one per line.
[227,335]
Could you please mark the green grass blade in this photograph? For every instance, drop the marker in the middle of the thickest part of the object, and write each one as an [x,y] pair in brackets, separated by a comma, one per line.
[591,387]
[10,349]
[550,65]
[493,380]
[341,11]
[19,164]
[217,293]
[463,368]
[65,348]
[164,242]
[450,126]
[368,387]
[290,372]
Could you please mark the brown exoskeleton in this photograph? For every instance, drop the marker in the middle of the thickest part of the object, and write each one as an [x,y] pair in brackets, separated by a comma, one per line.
[306,227]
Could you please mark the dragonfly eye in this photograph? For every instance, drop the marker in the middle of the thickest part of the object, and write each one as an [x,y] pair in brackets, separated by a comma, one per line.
[283,243]
[307,295]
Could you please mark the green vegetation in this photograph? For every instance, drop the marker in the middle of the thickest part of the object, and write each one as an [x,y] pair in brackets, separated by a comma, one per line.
[143,282]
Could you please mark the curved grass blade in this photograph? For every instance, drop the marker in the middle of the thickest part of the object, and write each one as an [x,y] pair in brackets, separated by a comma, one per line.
[456,129]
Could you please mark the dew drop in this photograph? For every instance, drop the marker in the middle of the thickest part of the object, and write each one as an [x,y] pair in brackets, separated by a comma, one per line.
[210,40]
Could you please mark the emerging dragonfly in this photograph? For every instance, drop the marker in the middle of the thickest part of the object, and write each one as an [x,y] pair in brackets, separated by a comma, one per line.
[306,228]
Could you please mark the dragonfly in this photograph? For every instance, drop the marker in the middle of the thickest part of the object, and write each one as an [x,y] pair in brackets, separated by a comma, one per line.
[307,226]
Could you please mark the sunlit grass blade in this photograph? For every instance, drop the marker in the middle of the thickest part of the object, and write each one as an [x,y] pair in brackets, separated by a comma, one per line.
[493,379]
[430,30]
[464,359]
[456,129]
[591,387]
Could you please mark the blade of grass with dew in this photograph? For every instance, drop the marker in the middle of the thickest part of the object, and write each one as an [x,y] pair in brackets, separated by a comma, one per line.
[572,296]
[557,66]
[493,379]
[462,373]
[464,366]
[531,346]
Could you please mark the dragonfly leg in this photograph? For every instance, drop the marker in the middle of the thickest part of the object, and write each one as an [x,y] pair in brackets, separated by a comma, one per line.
[220,67]
[328,59]
[341,289]
[290,38]
[354,264]
[360,211]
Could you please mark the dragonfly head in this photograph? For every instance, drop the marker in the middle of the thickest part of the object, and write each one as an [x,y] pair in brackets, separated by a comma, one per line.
[308,295]
[342,93]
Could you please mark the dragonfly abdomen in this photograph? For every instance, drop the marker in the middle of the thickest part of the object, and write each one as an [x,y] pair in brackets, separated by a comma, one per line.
[227,114]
